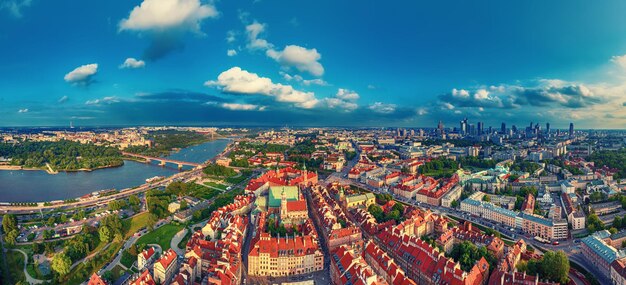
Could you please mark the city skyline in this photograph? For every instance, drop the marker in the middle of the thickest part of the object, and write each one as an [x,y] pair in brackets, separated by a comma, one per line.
[259,64]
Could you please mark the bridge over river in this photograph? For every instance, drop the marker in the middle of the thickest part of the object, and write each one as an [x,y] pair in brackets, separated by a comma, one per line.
[162,160]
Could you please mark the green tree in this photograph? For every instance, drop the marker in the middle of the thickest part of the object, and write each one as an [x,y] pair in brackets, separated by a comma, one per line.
[555,266]
[11,236]
[9,222]
[486,198]
[61,264]
[105,234]
[152,220]
[183,204]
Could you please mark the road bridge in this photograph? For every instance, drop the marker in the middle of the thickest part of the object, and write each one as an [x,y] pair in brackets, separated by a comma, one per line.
[162,161]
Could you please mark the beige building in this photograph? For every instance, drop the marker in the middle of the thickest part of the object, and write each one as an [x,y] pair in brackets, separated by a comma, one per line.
[284,256]
[165,267]
[451,196]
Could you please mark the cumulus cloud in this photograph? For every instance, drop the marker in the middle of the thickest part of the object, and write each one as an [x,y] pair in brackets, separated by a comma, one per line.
[23,110]
[421,111]
[292,56]
[231,52]
[166,21]
[239,81]
[133,63]
[300,79]
[346,94]
[63,99]
[82,75]
[620,60]
[344,99]
[15,7]
[544,92]
[231,36]
[382,108]
[303,59]
[254,42]
[241,107]
[105,100]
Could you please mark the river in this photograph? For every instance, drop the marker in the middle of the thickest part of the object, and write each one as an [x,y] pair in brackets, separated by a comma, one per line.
[36,186]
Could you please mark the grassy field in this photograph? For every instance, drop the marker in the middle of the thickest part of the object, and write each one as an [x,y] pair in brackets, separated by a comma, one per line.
[216,185]
[132,225]
[15,262]
[161,236]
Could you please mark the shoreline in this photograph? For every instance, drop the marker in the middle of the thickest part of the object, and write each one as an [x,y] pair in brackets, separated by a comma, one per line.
[120,190]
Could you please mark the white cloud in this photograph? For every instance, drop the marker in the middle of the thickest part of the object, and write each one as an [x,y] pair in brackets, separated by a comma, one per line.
[619,60]
[344,99]
[383,108]
[82,75]
[238,81]
[448,106]
[23,110]
[231,36]
[422,111]
[105,100]
[303,59]
[231,52]
[15,6]
[63,99]
[254,42]
[307,82]
[346,94]
[340,104]
[481,94]
[370,86]
[133,63]
[241,107]
[159,15]
[462,93]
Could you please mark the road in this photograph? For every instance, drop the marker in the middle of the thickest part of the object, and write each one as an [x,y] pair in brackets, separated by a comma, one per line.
[176,239]
[29,279]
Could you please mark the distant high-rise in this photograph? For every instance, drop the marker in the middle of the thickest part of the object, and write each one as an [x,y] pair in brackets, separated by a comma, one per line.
[440,126]
[547,128]
[463,126]
[479,128]
[503,128]
[571,129]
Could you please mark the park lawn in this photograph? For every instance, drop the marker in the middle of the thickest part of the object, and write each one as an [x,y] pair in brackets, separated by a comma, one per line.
[136,222]
[161,236]
[245,174]
[216,185]
[83,271]
[204,193]
[15,263]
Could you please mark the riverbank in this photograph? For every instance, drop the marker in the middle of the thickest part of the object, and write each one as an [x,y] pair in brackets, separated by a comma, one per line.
[36,186]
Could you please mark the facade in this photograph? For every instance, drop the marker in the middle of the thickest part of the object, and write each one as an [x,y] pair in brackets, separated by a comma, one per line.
[529,223]
[284,256]
[618,272]
[145,258]
[165,267]
[599,253]
[451,196]
[544,228]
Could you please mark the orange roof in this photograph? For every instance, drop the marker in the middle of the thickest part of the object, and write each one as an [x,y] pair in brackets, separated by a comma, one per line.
[144,279]
[96,280]
[296,206]
[168,258]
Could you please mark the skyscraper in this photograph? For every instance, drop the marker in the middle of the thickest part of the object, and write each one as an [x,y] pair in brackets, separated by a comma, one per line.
[571,130]
[479,128]
[463,126]
[503,128]
[547,128]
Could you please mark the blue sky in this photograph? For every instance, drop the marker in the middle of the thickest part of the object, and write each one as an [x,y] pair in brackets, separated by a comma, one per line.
[335,63]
